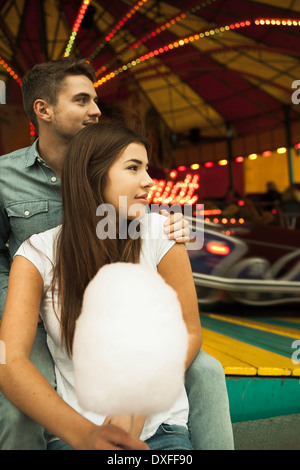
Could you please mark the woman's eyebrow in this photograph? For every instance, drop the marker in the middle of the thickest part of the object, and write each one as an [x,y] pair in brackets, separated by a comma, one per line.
[135,160]
[138,162]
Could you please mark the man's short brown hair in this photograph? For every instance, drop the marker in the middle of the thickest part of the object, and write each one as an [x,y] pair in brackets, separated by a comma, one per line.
[44,81]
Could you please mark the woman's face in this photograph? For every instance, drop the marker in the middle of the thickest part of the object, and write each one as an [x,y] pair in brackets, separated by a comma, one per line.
[128,182]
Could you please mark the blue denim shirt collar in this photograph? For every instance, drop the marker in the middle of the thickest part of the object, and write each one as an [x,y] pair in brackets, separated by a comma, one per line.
[33,154]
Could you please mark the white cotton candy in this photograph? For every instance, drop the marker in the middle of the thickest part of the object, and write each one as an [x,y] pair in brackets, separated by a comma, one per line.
[130,343]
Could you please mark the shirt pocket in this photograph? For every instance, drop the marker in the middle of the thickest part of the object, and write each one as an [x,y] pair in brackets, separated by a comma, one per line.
[28,217]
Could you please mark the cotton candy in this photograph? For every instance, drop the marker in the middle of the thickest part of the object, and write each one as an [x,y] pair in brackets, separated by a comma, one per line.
[130,343]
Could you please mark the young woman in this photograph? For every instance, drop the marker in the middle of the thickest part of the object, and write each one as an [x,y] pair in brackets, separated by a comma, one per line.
[106,163]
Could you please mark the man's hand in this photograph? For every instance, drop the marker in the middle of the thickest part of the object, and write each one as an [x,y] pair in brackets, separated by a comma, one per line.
[110,437]
[176,227]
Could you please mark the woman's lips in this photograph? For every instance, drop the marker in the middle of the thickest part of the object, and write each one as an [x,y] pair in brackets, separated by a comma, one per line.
[143,198]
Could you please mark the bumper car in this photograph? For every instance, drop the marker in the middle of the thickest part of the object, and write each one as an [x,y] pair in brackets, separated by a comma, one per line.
[227,270]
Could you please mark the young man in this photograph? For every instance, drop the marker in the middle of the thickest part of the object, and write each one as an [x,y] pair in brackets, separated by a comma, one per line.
[60,99]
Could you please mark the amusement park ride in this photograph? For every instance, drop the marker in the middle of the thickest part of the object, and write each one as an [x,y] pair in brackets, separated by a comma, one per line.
[226,269]
[240,261]
[229,70]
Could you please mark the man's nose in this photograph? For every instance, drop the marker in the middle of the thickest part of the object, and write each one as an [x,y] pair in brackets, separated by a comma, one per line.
[94,110]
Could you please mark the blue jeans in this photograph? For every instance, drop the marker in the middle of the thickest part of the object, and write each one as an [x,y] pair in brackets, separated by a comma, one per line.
[167,437]
[170,437]
[17,431]
[58,445]
[209,419]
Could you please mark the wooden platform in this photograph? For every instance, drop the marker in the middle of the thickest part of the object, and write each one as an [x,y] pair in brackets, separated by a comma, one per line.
[255,346]
[256,353]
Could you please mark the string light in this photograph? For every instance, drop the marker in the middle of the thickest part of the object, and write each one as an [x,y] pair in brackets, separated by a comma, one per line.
[32,130]
[116,28]
[143,58]
[168,47]
[124,20]
[195,37]
[179,43]
[76,26]
[159,30]
[32,133]
[276,22]
[167,192]
[8,68]
[209,212]
[162,27]
[224,162]
[16,77]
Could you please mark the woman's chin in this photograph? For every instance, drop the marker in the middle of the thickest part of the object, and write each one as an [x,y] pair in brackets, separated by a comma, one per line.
[136,211]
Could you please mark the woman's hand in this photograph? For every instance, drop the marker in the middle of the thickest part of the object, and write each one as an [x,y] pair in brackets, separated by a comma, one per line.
[27,388]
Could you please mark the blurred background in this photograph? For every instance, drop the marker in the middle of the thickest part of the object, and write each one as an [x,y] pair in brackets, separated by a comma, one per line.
[217,84]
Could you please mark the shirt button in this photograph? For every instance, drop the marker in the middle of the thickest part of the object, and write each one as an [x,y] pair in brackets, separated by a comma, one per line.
[53,179]
[26,213]
[39,160]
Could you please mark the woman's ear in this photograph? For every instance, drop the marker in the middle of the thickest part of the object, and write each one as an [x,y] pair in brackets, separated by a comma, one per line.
[43,110]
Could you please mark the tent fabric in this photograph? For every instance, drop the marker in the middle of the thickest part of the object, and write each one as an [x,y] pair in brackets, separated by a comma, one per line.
[234,82]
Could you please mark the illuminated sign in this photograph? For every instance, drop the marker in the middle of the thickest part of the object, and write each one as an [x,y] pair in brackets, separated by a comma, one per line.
[170,192]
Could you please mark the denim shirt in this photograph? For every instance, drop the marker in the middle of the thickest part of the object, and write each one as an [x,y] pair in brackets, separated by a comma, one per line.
[30,202]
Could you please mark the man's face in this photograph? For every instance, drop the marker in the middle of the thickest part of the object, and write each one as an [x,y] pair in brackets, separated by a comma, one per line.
[76,106]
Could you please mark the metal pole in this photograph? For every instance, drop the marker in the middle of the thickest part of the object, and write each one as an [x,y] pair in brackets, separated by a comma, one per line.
[229,152]
[289,143]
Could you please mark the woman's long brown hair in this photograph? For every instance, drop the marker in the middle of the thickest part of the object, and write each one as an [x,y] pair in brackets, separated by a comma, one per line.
[79,252]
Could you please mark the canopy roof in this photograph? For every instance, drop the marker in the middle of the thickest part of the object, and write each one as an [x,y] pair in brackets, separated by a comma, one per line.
[211,69]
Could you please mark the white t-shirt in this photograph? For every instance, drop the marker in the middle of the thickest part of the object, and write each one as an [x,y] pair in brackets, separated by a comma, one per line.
[39,249]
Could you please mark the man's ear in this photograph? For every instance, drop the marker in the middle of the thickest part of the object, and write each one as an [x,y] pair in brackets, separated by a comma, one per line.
[43,110]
